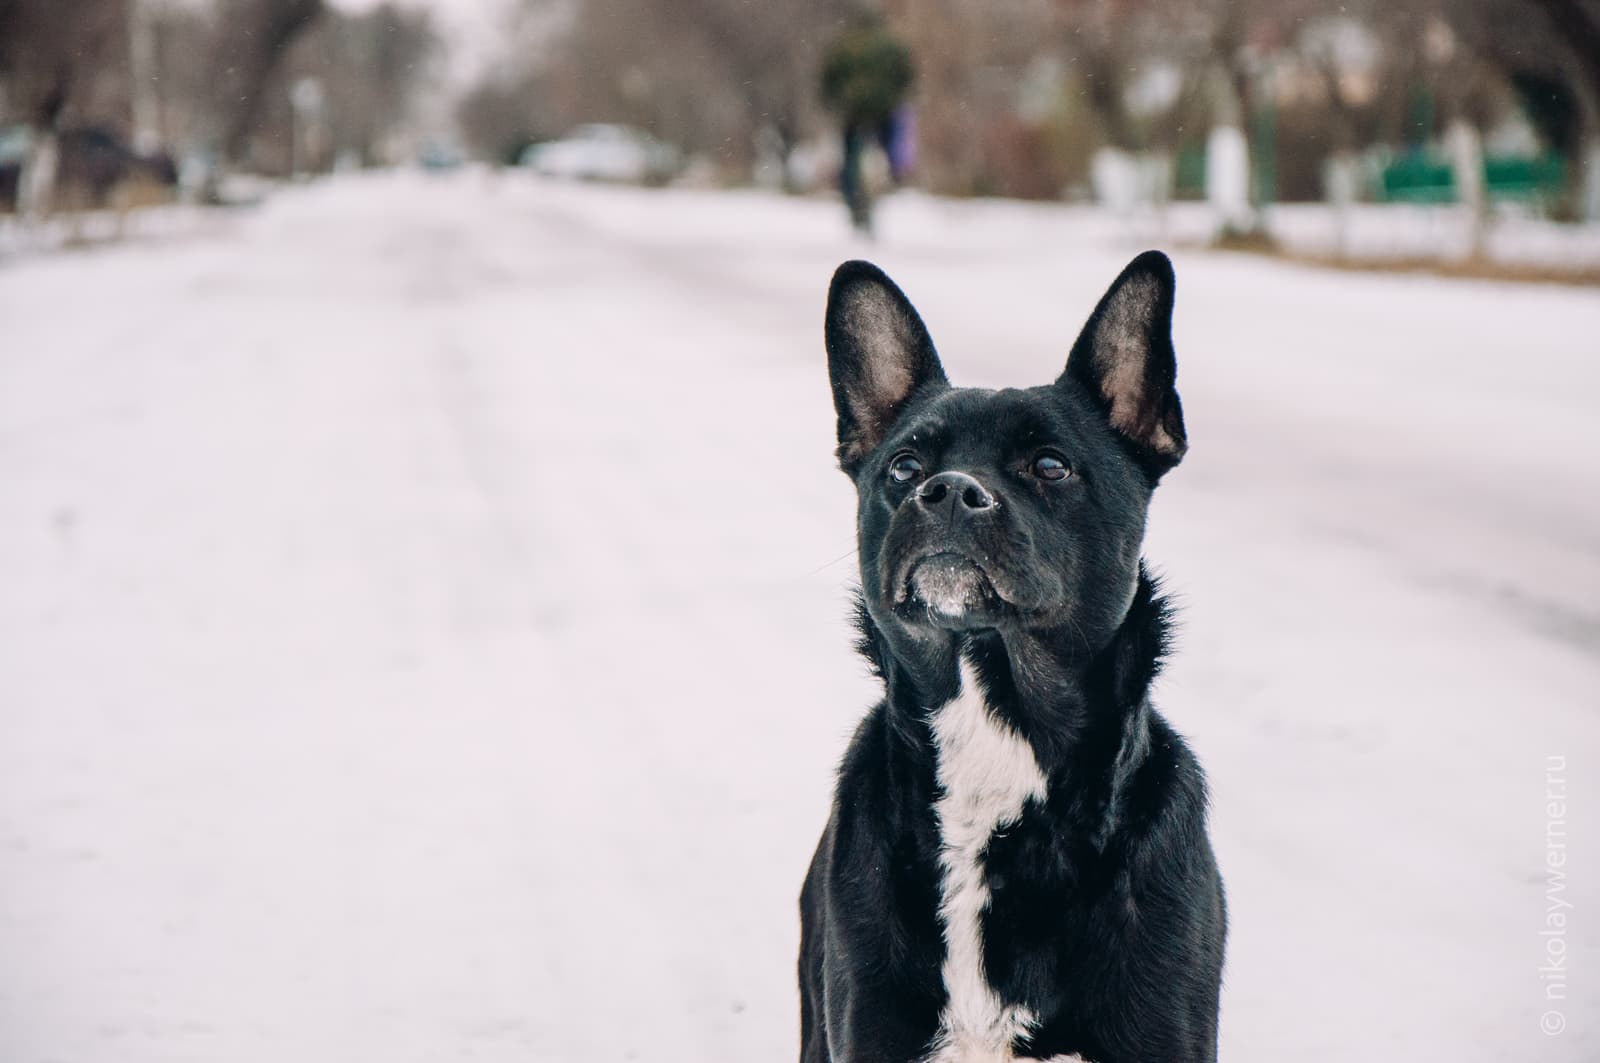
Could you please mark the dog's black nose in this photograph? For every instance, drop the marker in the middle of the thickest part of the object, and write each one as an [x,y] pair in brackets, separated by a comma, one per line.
[938,488]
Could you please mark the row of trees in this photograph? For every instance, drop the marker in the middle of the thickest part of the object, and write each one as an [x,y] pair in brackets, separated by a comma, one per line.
[212,81]
[1010,99]
[707,75]
[1014,98]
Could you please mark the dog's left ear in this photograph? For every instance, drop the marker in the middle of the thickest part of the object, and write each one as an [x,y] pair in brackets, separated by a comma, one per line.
[879,356]
[1124,358]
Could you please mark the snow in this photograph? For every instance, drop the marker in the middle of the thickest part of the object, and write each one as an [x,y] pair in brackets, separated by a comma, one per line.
[78,230]
[424,628]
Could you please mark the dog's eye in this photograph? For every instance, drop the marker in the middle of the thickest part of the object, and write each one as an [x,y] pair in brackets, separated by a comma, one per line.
[1050,467]
[904,468]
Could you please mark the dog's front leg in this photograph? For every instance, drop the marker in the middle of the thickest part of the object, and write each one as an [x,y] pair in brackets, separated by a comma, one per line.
[873,1026]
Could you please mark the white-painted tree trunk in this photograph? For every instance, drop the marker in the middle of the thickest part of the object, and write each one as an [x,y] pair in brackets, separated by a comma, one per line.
[1589,204]
[37,183]
[1115,178]
[1228,177]
[1341,185]
[1465,148]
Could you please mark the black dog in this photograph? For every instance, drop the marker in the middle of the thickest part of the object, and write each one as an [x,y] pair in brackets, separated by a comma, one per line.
[1017,863]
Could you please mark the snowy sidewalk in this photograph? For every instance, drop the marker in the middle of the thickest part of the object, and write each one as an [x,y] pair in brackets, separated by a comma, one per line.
[385,574]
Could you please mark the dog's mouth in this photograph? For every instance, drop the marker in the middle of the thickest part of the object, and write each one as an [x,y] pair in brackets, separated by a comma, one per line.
[946,587]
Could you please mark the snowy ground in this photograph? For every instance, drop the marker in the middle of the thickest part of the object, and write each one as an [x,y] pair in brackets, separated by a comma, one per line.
[384,573]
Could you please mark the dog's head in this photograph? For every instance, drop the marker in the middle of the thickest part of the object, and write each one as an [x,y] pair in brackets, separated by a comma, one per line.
[1003,509]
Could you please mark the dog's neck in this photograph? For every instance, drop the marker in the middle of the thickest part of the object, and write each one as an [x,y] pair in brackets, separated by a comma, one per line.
[1084,709]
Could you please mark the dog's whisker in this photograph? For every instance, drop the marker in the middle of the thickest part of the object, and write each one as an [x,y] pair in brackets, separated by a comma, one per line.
[829,564]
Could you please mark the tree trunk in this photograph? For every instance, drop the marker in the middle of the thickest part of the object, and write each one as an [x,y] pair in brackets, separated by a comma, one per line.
[1587,162]
[36,184]
[1342,186]
[1465,147]
[1578,24]
[277,24]
[1228,158]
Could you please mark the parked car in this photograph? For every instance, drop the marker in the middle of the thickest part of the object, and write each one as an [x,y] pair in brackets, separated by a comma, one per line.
[92,163]
[14,143]
[440,157]
[605,153]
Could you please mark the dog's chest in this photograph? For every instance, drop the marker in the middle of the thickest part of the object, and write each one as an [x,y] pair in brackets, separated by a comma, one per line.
[987,773]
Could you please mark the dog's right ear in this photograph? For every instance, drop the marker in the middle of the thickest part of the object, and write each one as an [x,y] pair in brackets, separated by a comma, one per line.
[1124,359]
[879,356]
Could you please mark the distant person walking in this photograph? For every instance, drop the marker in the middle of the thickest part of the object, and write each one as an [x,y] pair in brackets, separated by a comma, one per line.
[866,74]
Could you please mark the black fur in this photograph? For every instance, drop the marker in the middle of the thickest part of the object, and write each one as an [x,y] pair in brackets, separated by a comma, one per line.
[1106,914]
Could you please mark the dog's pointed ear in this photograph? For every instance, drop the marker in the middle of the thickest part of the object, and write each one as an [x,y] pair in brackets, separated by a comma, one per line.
[879,356]
[1124,358]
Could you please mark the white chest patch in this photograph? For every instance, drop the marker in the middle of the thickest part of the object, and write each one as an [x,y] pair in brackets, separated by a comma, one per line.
[986,773]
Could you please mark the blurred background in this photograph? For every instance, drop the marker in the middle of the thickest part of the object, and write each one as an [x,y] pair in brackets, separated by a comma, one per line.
[424,579]
[1486,104]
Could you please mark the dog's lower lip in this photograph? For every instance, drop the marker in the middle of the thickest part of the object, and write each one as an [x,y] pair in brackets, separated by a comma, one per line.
[938,556]
[949,584]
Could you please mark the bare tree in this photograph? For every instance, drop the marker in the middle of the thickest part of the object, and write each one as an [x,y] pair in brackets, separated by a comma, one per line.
[1109,44]
[1550,51]
[771,57]
[704,74]
[252,39]
[64,66]
[370,66]
[59,69]
[972,59]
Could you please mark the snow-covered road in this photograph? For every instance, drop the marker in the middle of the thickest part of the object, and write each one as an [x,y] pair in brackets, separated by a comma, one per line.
[384,578]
